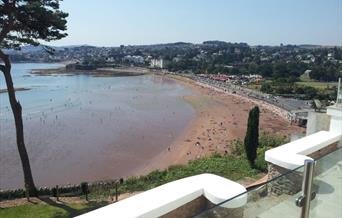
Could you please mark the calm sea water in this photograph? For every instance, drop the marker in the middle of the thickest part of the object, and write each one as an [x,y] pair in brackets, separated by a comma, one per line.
[83,128]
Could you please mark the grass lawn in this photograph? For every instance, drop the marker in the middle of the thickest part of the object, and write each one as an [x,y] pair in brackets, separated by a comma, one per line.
[42,210]
[306,81]
[317,85]
[29,211]
[254,86]
[233,167]
[305,78]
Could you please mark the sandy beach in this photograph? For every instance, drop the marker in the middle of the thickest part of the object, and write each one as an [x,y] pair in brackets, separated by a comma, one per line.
[139,124]
[220,119]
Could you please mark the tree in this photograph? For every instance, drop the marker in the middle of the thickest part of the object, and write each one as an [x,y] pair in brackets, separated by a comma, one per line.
[251,141]
[265,70]
[25,22]
[252,68]
[266,87]
[280,70]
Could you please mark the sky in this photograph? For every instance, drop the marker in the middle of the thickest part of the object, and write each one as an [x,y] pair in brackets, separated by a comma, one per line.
[256,22]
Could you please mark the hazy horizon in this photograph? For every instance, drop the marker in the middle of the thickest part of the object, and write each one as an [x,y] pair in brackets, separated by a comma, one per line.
[113,22]
[164,43]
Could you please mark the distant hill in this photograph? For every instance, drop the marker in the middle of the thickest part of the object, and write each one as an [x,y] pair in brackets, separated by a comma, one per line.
[30,49]
[308,46]
[41,48]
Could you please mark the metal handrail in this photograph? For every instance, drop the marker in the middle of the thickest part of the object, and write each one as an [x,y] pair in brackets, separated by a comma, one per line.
[339,94]
[307,195]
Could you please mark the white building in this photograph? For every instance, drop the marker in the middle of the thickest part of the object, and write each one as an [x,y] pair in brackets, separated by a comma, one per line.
[134,59]
[157,63]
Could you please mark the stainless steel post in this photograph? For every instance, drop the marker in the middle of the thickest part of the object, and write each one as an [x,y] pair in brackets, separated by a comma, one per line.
[307,187]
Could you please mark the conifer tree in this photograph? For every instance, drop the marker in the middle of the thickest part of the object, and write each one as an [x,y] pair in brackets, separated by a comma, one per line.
[251,141]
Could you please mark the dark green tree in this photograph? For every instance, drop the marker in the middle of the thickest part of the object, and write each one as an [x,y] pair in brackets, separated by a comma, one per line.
[266,87]
[25,22]
[266,70]
[251,141]
[280,70]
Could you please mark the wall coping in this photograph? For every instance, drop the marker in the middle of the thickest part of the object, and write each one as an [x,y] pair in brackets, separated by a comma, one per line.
[166,198]
[292,155]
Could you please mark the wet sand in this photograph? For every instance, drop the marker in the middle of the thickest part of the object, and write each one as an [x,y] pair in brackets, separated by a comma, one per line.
[15,89]
[100,72]
[84,128]
[220,119]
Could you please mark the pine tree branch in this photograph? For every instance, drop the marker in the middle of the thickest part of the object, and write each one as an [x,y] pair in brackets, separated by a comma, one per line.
[8,26]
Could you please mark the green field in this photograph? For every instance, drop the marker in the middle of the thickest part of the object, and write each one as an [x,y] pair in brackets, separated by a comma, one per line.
[317,85]
[306,81]
[254,86]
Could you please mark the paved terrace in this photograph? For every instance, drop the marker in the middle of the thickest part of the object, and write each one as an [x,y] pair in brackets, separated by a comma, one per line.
[328,201]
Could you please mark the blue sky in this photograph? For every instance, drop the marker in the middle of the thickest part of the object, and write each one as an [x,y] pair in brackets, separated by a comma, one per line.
[265,22]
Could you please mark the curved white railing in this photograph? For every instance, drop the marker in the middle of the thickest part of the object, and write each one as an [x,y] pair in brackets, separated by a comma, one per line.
[293,154]
[166,198]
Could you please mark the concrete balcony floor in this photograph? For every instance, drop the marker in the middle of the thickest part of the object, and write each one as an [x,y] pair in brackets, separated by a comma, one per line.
[328,201]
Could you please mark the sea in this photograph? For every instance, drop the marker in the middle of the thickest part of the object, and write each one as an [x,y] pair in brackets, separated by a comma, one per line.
[84,128]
